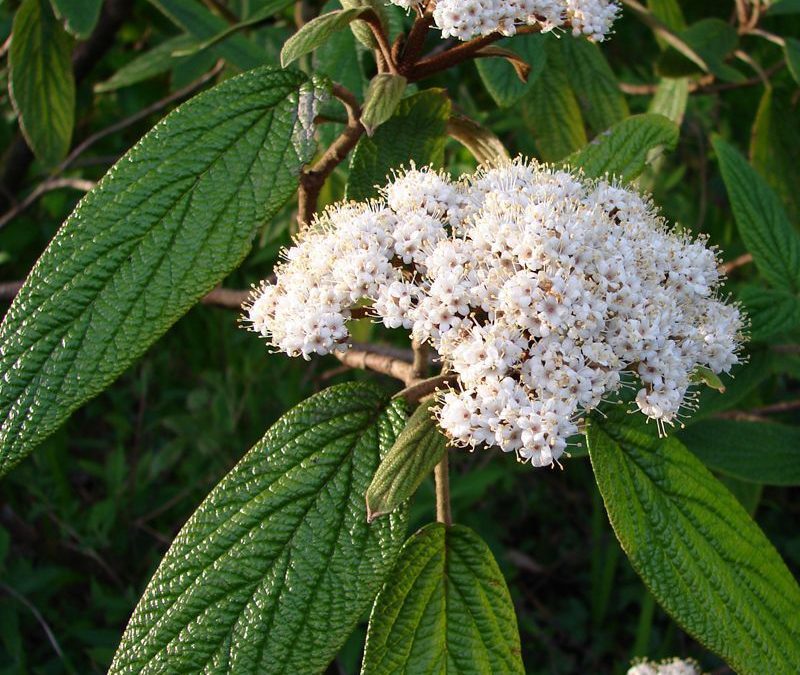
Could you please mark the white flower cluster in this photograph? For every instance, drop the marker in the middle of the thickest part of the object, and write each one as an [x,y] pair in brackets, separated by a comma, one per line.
[674,666]
[464,19]
[544,292]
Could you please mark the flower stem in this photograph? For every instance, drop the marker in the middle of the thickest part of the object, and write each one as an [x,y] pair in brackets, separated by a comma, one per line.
[441,477]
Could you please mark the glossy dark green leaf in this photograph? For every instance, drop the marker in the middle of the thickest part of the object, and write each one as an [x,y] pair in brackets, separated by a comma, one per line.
[623,150]
[775,147]
[552,112]
[192,17]
[168,222]
[317,32]
[159,59]
[278,564]
[418,449]
[444,609]
[41,82]
[415,133]
[383,96]
[758,452]
[594,84]
[79,16]
[499,76]
[761,219]
[696,548]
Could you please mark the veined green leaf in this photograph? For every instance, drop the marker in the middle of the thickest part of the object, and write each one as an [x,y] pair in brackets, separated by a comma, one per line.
[317,32]
[444,609]
[702,556]
[499,76]
[155,61]
[79,16]
[480,141]
[670,99]
[771,311]
[762,222]
[622,151]
[417,450]
[775,147]
[41,82]
[756,452]
[552,111]
[168,222]
[191,16]
[415,133]
[594,84]
[278,564]
[383,96]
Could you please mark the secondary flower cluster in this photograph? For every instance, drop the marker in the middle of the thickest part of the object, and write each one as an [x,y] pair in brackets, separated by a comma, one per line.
[674,666]
[464,19]
[544,292]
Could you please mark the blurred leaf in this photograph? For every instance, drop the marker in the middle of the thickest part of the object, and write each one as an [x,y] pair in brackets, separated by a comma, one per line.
[670,99]
[278,564]
[382,98]
[713,40]
[782,7]
[41,82]
[775,147]
[622,150]
[755,452]
[499,76]
[552,111]
[317,32]
[697,550]
[417,450]
[792,51]
[415,133]
[79,16]
[445,608]
[706,376]
[174,216]
[594,84]
[155,61]
[669,13]
[192,17]
[771,311]
[480,141]
[762,222]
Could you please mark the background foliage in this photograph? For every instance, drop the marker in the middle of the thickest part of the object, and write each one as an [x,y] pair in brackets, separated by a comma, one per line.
[85,519]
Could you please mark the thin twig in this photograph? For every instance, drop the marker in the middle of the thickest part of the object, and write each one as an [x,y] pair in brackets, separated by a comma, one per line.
[51,638]
[218,8]
[441,477]
[47,186]
[728,267]
[416,39]
[380,363]
[229,298]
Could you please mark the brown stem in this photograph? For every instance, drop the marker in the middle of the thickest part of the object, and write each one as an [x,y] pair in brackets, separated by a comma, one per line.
[313,178]
[441,477]
[419,389]
[420,364]
[728,267]
[378,32]
[416,40]
[380,363]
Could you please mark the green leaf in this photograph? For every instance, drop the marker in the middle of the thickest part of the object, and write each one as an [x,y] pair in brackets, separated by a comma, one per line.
[594,84]
[699,552]
[552,111]
[747,494]
[155,61]
[361,31]
[792,51]
[623,150]
[670,99]
[166,224]
[499,76]
[317,32]
[771,311]
[708,377]
[712,40]
[669,13]
[756,452]
[415,133]
[79,16]
[480,141]
[775,147]
[383,96]
[192,17]
[278,564]
[418,449]
[444,609]
[762,222]
[41,83]
[783,7]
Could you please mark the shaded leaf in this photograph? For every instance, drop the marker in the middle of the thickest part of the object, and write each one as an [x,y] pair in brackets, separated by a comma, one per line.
[500,77]
[698,550]
[166,224]
[41,81]
[79,16]
[383,96]
[444,609]
[278,564]
[317,32]
[771,311]
[417,450]
[480,141]
[711,39]
[792,51]
[415,133]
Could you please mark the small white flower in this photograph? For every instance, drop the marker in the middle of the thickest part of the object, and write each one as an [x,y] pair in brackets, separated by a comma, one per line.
[674,666]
